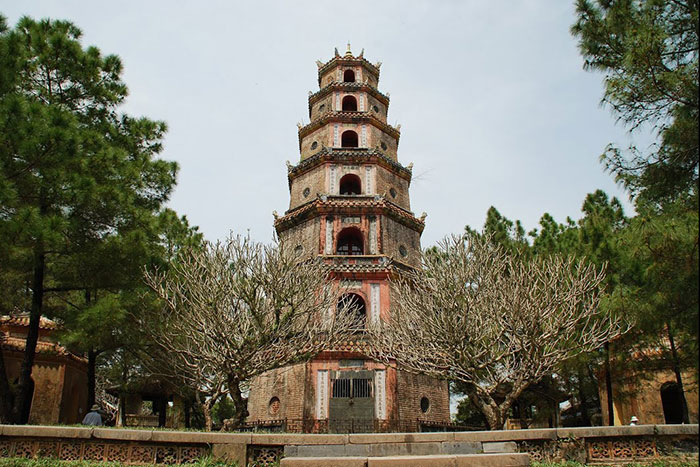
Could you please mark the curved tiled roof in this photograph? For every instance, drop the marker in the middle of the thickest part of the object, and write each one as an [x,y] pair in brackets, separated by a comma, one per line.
[22,319]
[18,344]
[336,203]
[345,116]
[347,60]
[352,86]
[349,155]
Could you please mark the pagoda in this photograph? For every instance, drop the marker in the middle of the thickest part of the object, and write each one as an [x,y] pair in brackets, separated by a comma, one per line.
[349,205]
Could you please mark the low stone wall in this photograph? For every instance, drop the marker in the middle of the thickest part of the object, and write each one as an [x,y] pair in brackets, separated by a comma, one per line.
[604,445]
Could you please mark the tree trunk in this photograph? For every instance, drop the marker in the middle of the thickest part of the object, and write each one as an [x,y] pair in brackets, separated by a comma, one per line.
[487,406]
[677,371]
[206,409]
[25,389]
[240,405]
[6,395]
[91,378]
[608,386]
[585,419]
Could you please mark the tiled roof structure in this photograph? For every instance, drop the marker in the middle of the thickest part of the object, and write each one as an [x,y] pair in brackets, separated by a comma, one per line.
[22,319]
[13,342]
[349,155]
[343,204]
[347,116]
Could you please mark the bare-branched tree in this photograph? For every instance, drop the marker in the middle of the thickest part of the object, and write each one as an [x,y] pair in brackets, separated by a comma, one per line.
[493,320]
[236,309]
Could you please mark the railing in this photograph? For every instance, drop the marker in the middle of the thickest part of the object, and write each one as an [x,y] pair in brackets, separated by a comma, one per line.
[353,425]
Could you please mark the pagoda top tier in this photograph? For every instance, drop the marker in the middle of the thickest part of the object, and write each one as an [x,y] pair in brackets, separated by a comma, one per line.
[334,70]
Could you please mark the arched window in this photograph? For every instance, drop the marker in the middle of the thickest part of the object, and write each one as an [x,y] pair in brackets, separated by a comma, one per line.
[350,184]
[354,305]
[348,139]
[349,76]
[350,242]
[350,103]
[671,403]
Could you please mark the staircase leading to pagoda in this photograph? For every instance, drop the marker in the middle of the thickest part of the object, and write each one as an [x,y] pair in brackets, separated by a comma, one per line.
[399,450]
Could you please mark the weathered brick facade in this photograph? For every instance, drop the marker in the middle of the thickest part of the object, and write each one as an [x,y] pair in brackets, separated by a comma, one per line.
[349,205]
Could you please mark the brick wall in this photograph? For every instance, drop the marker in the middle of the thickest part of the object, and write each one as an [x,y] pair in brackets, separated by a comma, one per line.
[386,180]
[314,180]
[287,384]
[322,137]
[306,234]
[412,388]
[394,235]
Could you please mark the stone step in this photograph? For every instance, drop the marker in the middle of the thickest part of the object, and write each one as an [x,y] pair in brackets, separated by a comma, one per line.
[390,449]
[438,460]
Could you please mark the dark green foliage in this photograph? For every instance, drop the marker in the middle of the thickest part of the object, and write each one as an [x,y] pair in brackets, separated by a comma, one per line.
[81,190]
[648,52]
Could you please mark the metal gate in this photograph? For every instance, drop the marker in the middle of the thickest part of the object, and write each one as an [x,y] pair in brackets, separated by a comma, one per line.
[351,405]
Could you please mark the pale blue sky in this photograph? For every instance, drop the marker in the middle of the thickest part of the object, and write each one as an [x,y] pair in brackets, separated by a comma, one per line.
[494,106]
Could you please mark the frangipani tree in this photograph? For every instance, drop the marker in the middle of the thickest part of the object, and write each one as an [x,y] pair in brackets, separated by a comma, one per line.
[236,309]
[492,319]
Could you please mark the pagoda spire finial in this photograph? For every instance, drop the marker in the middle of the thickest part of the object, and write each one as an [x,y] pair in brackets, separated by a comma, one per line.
[348,53]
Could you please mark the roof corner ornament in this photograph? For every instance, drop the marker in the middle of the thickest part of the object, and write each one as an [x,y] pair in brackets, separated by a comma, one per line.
[378,65]
[275,215]
[362,53]
[423,216]
[319,63]
[398,127]
[335,50]
[310,93]
[410,166]
[299,126]
[289,166]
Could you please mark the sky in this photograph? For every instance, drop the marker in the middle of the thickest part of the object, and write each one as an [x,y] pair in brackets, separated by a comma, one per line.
[494,105]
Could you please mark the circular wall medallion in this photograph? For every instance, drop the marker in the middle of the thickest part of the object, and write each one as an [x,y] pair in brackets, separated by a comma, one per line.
[403,251]
[306,192]
[298,250]
[392,192]
[384,146]
[314,145]
[424,404]
[274,406]
[375,108]
[321,107]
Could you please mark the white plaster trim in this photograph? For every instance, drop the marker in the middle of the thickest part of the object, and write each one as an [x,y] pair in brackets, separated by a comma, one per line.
[329,237]
[322,394]
[369,189]
[373,236]
[375,304]
[380,394]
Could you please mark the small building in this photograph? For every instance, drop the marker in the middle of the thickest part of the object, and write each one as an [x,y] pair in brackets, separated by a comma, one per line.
[59,377]
[653,397]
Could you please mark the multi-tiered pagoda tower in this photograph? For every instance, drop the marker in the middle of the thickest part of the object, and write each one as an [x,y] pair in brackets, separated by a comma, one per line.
[350,206]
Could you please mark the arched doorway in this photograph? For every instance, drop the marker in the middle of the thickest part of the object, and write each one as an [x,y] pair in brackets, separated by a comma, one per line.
[350,242]
[350,184]
[349,104]
[354,305]
[348,76]
[349,139]
[672,403]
